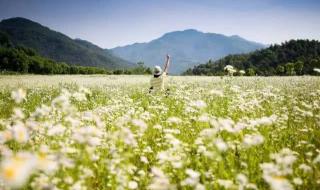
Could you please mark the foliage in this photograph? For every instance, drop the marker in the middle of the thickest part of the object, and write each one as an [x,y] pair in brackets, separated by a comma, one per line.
[25,60]
[295,57]
[140,69]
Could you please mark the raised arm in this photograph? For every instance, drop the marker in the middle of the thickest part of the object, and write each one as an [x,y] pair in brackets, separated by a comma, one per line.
[167,63]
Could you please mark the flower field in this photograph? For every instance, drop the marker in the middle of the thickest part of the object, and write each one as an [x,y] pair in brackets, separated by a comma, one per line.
[108,132]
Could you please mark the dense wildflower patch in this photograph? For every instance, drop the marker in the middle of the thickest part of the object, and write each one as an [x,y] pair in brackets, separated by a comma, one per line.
[208,133]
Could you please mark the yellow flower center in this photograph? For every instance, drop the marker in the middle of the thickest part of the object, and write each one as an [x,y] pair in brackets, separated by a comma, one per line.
[21,135]
[9,173]
[42,156]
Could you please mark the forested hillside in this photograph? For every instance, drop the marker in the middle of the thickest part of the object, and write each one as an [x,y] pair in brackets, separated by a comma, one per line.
[18,59]
[59,47]
[22,60]
[295,57]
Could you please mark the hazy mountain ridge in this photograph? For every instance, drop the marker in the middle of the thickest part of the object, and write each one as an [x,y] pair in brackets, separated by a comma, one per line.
[58,46]
[187,48]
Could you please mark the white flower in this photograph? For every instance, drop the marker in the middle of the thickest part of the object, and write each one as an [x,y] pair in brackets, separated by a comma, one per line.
[204,118]
[18,113]
[68,180]
[200,187]
[84,90]
[79,96]
[218,93]
[15,170]
[251,186]
[20,133]
[88,115]
[278,183]
[285,158]
[19,95]
[225,124]
[144,159]
[198,104]
[139,123]
[78,186]
[297,181]
[305,168]
[157,126]
[174,120]
[56,130]
[242,179]
[316,70]
[45,161]
[132,185]
[275,173]
[159,181]
[42,111]
[242,72]
[264,121]
[192,173]
[94,141]
[316,159]
[252,140]
[193,178]
[230,69]
[221,145]
[5,136]
[227,184]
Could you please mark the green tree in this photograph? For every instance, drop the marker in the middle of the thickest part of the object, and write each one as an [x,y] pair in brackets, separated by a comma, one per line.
[4,39]
[251,72]
[280,70]
[140,64]
[118,72]
[290,69]
[148,71]
[298,67]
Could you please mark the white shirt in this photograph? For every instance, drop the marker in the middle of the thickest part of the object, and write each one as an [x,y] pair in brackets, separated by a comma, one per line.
[157,83]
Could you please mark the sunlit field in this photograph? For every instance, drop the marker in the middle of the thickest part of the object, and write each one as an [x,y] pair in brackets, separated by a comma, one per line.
[108,132]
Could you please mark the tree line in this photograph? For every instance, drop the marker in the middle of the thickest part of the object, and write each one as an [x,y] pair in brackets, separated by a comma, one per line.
[295,57]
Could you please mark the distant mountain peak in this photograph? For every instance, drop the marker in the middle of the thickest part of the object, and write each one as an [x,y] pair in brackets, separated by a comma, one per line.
[191,30]
[235,36]
[19,21]
[187,47]
[182,32]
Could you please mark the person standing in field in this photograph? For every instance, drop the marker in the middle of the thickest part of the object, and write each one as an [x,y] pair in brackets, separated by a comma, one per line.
[159,77]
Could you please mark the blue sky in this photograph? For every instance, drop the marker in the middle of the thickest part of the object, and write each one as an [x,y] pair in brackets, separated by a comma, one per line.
[111,23]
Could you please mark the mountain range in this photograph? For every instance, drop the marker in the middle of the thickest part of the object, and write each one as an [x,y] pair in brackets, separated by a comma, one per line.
[187,49]
[59,47]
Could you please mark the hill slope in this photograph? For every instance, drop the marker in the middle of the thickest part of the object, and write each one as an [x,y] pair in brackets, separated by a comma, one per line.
[187,48]
[18,59]
[58,46]
[295,57]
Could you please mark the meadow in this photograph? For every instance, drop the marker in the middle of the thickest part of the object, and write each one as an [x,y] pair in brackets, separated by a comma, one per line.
[107,132]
